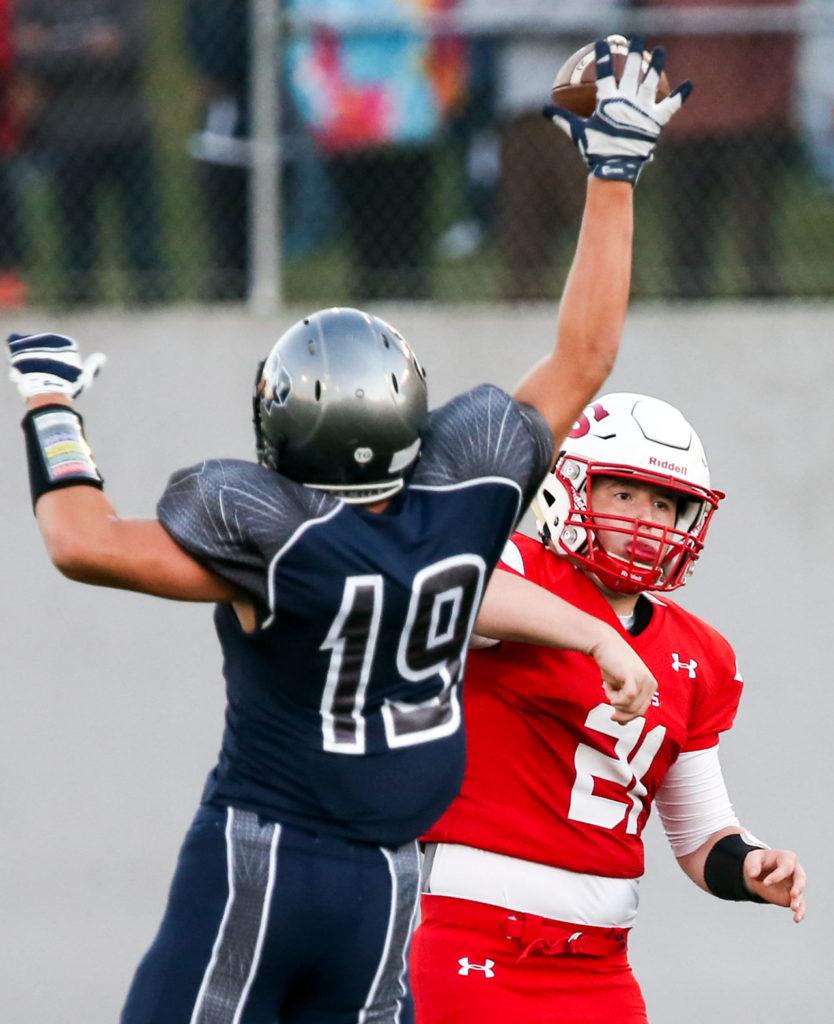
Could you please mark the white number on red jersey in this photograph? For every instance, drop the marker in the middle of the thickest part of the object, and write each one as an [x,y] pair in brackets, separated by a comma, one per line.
[590,763]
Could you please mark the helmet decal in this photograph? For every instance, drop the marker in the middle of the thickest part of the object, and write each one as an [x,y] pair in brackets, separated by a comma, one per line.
[280,388]
[597,412]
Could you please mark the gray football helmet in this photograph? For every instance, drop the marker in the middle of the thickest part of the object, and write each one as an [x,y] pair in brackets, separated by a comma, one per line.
[340,403]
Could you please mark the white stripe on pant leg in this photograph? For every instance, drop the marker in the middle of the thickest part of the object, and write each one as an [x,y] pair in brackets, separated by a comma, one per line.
[230,877]
[393,861]
[256,956]
[407,945]
[222,998]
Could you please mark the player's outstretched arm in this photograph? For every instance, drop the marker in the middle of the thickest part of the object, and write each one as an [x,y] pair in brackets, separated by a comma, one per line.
[591,314]
[84,536]
[731,868]
[514,609]
[615,143]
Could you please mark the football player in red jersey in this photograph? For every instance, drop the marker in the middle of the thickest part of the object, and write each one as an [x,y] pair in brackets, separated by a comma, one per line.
[540,905]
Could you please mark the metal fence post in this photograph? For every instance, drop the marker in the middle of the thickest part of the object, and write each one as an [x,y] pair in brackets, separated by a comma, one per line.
[265,286]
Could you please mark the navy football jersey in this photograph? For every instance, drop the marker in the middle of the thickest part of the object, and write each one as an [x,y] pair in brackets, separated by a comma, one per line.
[343,706]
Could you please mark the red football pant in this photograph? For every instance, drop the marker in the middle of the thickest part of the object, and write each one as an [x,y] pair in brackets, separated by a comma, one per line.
[472,963]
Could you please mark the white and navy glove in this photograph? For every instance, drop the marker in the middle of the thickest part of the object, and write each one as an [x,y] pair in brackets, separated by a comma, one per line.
[50,364]
[618,139]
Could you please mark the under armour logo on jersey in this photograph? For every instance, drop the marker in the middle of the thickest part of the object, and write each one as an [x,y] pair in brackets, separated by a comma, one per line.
[486,967]
[689,666]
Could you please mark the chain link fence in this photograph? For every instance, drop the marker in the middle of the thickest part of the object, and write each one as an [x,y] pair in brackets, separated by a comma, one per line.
[334,151]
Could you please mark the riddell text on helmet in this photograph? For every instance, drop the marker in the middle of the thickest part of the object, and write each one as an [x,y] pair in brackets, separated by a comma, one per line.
[673,467]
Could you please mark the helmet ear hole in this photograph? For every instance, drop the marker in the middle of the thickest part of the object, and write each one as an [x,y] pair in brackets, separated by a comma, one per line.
[395,383]
[318,390]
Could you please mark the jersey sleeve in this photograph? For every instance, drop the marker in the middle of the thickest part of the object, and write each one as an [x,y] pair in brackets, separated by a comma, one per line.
[233,516]
[714,709]
[482,433]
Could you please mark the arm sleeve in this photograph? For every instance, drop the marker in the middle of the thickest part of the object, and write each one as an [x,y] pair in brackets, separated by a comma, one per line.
[693,802]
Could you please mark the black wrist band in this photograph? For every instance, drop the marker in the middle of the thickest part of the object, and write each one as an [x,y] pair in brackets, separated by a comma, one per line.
[57,450]
[724,869]
[617,169]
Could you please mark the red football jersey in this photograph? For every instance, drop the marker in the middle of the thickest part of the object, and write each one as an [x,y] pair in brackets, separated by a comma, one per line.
[550,778]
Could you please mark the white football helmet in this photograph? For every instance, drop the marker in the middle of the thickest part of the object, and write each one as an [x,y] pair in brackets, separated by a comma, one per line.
[646,441]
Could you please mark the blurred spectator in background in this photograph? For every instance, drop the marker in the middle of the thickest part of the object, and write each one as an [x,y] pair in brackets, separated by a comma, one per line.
[375,91]
[816,98]
[540,189]
[725,160]
[91,126]
[475,144]
[541,194]
[12,286]
[217,39]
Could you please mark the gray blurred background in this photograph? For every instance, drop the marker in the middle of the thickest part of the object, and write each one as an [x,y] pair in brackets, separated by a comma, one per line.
[113,702]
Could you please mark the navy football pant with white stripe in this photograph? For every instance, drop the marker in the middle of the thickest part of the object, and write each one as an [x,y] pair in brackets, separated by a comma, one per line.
[270,924]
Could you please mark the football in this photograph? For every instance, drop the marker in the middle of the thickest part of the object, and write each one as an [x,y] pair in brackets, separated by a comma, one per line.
[575,84]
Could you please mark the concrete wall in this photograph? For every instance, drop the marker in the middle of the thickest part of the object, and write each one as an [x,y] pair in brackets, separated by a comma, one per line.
[112,703]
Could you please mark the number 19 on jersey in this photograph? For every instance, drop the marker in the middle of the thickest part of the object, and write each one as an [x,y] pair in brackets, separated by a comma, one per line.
[445,598]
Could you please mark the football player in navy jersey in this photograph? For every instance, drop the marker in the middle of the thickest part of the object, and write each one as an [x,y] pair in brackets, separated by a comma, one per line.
[348,566]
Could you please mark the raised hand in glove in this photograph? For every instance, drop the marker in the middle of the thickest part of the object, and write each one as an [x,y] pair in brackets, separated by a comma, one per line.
[619,138]
[50,364]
